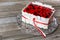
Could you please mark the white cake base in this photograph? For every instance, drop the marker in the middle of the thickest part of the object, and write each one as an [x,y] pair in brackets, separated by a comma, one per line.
[28,18]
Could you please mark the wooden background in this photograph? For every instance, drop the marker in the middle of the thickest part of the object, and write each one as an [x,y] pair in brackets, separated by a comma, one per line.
[11,31]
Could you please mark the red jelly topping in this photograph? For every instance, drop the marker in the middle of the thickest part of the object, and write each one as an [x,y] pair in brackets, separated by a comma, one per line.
[38,10]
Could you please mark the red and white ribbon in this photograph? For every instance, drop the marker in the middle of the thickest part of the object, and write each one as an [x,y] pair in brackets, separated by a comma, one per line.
[37,28]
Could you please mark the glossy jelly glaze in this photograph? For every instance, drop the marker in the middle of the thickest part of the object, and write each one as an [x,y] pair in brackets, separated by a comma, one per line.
[38,10]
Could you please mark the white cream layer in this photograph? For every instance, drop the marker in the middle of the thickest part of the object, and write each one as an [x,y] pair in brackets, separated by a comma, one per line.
[38,18]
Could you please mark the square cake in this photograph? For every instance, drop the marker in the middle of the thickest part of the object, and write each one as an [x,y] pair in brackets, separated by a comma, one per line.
[41,12]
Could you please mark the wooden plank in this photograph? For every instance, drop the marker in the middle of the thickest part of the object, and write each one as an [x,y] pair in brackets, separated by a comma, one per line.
[9,29]
[8,0]
[17,37]
[57,13]
[9,26]
[31,0]
[58,20]
[14,0]
[52,2]
[9,14]
[15,7]
[8,20]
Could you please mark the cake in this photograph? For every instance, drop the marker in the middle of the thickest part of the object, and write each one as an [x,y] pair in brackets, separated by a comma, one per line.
[38,11]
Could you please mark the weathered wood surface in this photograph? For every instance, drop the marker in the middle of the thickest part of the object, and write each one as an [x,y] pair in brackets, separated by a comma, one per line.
[54,36]
[11,31]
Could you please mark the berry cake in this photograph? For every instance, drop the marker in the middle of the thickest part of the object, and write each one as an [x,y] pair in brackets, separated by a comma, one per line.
[37,13]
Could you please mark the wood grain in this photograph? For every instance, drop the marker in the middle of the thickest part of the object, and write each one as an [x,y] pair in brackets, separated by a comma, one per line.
[8,0]
[9,14]
[54,36]
[11,31]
